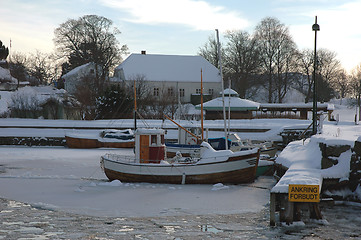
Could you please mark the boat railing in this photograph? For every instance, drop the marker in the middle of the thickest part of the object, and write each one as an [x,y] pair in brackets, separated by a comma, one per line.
[120,158]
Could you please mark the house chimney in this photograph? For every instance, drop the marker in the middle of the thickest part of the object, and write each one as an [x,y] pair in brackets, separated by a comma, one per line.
[143,52]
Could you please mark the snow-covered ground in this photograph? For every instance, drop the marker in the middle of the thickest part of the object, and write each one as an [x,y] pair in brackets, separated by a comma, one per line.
[72,180]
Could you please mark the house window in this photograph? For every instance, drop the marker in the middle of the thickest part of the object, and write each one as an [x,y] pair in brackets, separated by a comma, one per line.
[170,91]
[181,92]
[211,91]
[156,92]
[91,71]
[198,91]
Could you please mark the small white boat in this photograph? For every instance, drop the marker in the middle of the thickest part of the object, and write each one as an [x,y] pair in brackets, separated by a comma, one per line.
[151,165]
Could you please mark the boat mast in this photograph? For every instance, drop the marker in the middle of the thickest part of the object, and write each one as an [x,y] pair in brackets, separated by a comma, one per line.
[220,69]
[202,105]
[229,106]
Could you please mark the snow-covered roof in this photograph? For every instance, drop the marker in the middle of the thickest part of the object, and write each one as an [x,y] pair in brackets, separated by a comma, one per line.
[328,106]
[79,69]
[40,94]
[174,68]
[229,91]
[235,104]
[5,75]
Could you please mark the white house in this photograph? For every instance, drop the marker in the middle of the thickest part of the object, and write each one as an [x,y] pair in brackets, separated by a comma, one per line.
[72,78]
[176,75]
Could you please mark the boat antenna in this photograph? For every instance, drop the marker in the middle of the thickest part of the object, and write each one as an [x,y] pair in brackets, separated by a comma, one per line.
[220,69]
[202,105]
[135,106]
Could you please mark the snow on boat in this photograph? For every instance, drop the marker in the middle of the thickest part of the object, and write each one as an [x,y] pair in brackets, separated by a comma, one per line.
[107,138]
[151,165]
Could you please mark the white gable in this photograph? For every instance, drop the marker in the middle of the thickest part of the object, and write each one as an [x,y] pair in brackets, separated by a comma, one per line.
[228,92]
[173,68]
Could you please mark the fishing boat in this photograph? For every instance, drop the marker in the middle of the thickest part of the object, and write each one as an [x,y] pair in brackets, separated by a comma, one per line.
[111,138]
[265,166]
[151,165]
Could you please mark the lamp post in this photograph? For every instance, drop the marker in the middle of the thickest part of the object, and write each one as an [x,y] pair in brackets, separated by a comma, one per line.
[315,27]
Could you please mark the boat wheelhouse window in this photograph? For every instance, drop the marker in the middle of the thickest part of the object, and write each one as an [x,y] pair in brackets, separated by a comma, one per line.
[214,145]
[153,139]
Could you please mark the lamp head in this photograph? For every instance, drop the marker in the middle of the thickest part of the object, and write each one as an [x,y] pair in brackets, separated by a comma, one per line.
[315,27]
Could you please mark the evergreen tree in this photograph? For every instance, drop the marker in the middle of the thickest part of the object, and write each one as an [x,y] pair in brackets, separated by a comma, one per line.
[115,103]
[4,51]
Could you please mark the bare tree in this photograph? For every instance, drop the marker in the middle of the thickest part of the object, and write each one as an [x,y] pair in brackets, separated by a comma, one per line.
[242,59]
[278,52]
[210,51]
[328,67]
[341,83]
[305,67]
[43,67]
[165,103]
[90,38]
[356,84]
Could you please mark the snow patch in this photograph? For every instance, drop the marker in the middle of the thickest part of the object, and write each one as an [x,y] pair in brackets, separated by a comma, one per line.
[219,186]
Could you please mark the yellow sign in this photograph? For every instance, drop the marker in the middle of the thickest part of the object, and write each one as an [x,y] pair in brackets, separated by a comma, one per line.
[303,193]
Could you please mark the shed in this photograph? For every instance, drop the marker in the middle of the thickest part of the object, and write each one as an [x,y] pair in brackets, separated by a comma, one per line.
[238,107]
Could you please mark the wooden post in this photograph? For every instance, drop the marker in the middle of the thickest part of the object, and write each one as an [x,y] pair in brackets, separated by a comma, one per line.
[289,212]
[297,212]
[273,209]
[315,212]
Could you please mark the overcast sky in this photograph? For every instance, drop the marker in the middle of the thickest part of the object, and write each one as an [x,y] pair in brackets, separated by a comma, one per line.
[183,26]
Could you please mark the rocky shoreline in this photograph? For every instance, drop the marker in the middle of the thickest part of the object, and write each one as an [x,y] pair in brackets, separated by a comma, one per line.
[23,221]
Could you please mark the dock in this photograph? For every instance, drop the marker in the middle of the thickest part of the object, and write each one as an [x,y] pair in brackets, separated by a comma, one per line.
[318,167]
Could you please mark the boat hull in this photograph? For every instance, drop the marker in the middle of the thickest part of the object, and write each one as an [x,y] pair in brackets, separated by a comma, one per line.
[74,142]
[129,144]
[237,169]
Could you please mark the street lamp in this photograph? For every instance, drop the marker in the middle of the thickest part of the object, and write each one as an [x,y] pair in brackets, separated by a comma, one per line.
[315,27]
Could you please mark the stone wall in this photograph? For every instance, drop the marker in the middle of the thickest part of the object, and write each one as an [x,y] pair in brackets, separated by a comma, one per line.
[329,155]
[32,141]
